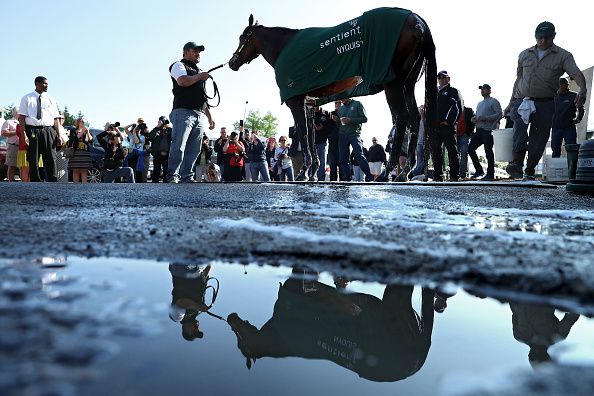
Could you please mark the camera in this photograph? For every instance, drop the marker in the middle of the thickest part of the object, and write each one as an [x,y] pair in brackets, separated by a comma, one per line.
[165,121]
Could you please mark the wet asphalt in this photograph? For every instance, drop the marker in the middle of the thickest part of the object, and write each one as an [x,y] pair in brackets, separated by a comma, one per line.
[294,225]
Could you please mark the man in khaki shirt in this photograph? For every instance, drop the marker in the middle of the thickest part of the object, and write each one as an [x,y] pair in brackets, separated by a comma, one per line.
[539,69]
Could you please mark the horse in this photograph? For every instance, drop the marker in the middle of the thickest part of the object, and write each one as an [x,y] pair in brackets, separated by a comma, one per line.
[414,55]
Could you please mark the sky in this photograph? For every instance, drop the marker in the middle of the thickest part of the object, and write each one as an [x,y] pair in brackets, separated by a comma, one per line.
[110,58]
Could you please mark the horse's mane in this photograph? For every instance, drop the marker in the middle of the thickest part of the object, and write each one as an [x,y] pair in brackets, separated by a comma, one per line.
[284,29]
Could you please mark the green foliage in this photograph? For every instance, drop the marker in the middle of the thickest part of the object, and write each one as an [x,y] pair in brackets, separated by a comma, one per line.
[266,124]
[69,118]
[7,111]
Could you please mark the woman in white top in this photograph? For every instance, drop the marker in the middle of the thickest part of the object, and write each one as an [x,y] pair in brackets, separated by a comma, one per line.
[282,154]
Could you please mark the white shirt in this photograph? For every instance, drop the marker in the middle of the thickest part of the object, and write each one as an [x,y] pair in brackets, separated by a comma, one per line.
[177,70]
[10,126]
[49,109]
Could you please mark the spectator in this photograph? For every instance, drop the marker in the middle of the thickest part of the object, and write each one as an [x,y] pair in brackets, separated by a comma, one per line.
[333,153]
[235,151]
[222,159]
[376,157]
[22,162]
[464,131]
[257,156]
[213,173]
[538,72]
[282,155]
[9,131]
[160,141]
[352,116]
[189,109]
[488,114]
[358,175]
[113,162]
[322,128]
[565,118]
[295,152]
[270,150]
[244,138]
[449,107]
[38,116]
[203,159]
[80,140]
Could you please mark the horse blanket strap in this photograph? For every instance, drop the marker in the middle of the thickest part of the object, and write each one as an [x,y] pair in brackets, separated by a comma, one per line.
[364,46]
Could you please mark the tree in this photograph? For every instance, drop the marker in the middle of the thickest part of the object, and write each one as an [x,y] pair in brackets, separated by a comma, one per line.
[69,118]
[266,124]
[7,111]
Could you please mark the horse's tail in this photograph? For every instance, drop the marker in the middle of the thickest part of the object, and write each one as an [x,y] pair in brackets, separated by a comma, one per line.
[430,82]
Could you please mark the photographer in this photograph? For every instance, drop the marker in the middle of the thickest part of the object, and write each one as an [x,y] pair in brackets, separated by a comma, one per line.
[222,159]
[138,158]
[113,168]
[160,143]
[244,138]
[285,164]
[235,151]
[257,158]
[203,159]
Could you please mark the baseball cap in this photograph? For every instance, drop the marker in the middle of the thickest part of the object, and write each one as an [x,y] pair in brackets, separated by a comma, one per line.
[443,73]
[563,81]
[544,29]
[192,45]
[485,86]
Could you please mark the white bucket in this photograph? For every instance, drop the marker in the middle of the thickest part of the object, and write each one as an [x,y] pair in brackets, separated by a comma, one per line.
[503,140]
[556,170]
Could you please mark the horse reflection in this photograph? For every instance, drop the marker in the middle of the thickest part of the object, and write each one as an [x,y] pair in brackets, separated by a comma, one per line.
[380,340]
[539,328]
[388,56]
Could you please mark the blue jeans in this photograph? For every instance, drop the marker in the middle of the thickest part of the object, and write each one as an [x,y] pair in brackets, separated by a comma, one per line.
[109,175]
[463,142]
[344,141]
[321,149]
[558,135]
[358,175]
[185,144]
[288,172]
[260,167]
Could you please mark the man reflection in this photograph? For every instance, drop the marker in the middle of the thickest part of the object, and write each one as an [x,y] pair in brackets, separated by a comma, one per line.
[189,286]
[539,328]
[381,340]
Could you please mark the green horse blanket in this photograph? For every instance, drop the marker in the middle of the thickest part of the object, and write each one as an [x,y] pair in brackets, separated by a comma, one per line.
[364,46]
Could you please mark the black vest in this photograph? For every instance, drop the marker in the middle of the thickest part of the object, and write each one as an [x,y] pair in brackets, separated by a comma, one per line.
[191,97]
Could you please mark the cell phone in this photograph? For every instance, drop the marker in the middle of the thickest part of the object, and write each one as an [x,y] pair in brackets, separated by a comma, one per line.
[240,123]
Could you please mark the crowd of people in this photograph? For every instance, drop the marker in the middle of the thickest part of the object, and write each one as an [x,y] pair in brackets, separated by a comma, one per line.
[181,153]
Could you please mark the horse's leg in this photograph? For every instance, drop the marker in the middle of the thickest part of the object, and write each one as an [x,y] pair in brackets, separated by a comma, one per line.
[414,117]
[315,161]
[297,106]
[395,97]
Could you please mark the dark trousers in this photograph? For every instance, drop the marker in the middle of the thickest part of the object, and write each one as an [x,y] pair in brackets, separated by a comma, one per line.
[535,140]
[333,160]
[558,135]
[445,135]
[160,162]
[42,142]
[482,136]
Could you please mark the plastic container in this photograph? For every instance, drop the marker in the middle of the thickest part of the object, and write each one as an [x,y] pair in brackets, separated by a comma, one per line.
[556,170]
[503,140]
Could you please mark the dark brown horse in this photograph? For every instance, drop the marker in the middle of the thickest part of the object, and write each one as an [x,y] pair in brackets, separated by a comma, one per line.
[415,51]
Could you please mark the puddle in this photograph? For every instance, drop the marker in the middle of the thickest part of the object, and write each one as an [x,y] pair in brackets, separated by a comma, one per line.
[89,327]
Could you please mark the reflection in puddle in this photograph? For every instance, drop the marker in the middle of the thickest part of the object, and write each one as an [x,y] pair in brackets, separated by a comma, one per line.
[91,326]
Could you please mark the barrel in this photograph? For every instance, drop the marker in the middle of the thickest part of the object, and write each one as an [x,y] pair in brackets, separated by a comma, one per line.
[584,175]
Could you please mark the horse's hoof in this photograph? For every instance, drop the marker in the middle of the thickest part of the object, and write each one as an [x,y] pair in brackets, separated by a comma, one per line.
[313,178]
[402,178]
[301,177]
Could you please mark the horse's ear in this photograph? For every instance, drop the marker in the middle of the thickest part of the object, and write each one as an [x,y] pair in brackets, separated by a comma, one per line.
[256,24]
[251,20]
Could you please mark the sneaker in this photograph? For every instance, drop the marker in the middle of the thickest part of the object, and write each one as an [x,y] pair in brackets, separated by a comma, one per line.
[369,178]
[171,179]
[529,178]
[454,179]
[477,175]
[488,178]
[437,178]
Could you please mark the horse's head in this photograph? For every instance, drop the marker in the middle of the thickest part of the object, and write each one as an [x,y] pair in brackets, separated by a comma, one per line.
[246,52]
